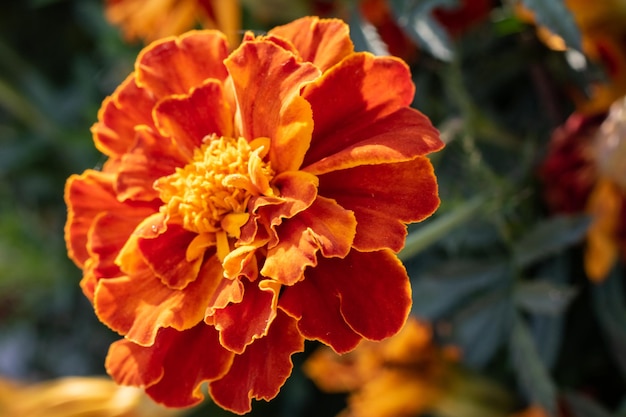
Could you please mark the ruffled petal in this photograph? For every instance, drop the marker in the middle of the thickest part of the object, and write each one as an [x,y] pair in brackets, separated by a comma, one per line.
[128,107]
[138,305]
[241,323]
[296,191]
[166,255]
[176,65]
[87,195]
[189,118]
[322,42]
[150,158]
[324,226]
[174,368]
[384,198]
[342,300]
[267,80]
[372,90]
[261,370]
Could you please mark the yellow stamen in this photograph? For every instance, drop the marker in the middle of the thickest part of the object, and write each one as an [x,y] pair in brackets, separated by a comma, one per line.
[210,195]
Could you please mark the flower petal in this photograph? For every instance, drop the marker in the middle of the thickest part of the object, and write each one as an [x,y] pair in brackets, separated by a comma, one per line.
[341,300]
[324,226]
[138,305]
[373,89]
[150,158]
[261,370]
[176,65]
[267,80]
[241,323]
[189,118]
[166,255]
[128,107]
[173,369]
[322,42]
[384,198]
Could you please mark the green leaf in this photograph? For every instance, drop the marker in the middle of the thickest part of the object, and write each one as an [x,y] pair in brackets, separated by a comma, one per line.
[543,297]
[439,291]
[531,374]
[550,237]
[555,16]
[365,36]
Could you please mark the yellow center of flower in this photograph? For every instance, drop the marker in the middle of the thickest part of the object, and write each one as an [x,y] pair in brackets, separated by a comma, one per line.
[210,194]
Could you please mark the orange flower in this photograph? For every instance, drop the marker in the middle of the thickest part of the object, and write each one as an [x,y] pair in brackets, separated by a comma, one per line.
[405,375]
[584,172]
[154,19]
[249,202]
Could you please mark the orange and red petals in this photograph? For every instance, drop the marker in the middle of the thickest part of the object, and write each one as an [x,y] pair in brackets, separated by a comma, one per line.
[322,42]
[176,65]
[138,305]
[342,300]
[241,323]
[384,198]
[372,88]
[267,80]
[87,195]
[262,369]
[324,226]
[129,106]
[150,158]
[400,136]
[188,119]
[173,369]
[296,191]
[166,255]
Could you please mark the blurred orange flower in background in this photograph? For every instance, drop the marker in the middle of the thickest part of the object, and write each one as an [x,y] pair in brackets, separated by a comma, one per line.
[76,397]
[250,201]
[149,20]
[584,171]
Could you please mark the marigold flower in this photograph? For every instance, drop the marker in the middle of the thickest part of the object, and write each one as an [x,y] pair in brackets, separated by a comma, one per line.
[584,172]
[249,201]
[405,375]
[154,19]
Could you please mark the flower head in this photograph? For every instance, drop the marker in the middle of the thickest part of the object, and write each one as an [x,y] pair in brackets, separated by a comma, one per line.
[249,201]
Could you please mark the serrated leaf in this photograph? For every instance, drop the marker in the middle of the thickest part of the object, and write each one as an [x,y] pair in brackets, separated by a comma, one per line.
[440,290]
[415,18]
[550,237]
[557,18]
[365,36]
[543,297]
[531,374]
[584,406]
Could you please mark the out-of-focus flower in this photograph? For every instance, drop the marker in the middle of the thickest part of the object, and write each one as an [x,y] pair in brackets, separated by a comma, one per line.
[531,411]
[250,201]
[603,29]
[150,20]
[584,171]
[405,376]
[77,397]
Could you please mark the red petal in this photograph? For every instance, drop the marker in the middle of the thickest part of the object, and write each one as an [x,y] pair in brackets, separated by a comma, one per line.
[151,157]
[190,118]
[173,369]
[341,300]
[138,305]
[267,81]
[241,323]
[324,226]
[129,106]
[261,370]
[176,65]
[322,42]
[165,254]
[384,198]
[372,89]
